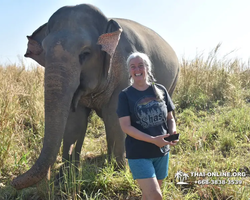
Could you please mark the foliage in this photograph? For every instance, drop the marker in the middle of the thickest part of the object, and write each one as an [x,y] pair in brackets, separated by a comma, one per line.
[212,99]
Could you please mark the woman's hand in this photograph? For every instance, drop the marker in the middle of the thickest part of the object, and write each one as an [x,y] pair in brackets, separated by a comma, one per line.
[173,143]
[159,140]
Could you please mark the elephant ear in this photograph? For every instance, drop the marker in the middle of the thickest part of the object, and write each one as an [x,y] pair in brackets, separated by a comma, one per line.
[109,41]
[35,50]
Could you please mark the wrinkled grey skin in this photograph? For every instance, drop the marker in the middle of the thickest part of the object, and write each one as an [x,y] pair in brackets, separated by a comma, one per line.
[81,75]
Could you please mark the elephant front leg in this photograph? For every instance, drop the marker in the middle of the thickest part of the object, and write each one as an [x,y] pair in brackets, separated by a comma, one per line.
[74,135]
[114,135]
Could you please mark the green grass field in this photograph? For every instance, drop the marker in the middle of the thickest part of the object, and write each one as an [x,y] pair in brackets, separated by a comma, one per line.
[212,101]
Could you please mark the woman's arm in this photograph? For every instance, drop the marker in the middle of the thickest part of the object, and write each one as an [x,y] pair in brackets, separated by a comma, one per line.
[137,134]
[171,127]
[171,123]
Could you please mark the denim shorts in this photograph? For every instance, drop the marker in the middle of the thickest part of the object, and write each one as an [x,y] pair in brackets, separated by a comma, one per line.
[149,168]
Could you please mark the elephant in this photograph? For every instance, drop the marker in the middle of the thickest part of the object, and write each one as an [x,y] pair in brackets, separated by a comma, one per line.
[84,55]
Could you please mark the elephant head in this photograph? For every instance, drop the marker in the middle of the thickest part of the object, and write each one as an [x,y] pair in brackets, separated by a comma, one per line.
[76,47]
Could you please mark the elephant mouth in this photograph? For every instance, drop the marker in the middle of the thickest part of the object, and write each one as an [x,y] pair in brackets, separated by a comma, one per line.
[76,97]
[93,100]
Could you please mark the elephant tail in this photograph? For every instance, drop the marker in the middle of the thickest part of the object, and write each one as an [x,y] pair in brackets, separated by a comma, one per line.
[173,86]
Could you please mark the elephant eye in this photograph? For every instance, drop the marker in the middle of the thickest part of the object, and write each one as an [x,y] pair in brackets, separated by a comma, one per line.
[83,56]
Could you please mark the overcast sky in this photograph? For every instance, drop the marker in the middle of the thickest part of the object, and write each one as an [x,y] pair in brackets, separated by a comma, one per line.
[191,27]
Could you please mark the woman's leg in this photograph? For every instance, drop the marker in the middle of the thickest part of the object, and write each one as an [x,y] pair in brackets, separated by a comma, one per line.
[146,172]
[160,182]
[150,189]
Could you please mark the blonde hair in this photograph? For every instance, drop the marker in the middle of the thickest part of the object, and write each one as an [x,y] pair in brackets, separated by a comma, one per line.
[150,78]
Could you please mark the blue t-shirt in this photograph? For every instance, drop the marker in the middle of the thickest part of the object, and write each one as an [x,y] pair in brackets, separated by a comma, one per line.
[147,114]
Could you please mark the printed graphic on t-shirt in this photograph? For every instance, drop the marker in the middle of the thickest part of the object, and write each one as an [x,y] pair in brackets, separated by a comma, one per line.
[150,112]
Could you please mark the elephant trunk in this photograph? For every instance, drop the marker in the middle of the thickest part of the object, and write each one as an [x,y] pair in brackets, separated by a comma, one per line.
[60,85]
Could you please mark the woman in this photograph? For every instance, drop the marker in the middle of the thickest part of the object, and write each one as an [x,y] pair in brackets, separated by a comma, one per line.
[145,115]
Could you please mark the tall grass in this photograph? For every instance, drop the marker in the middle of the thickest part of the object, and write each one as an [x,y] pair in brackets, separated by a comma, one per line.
[213,105]
[207,82]
[21,117]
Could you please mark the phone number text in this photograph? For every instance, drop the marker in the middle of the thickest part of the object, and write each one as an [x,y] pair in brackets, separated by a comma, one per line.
[218,182]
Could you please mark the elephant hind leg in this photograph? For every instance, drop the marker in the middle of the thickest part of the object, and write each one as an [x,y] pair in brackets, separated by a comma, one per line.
[115,137]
